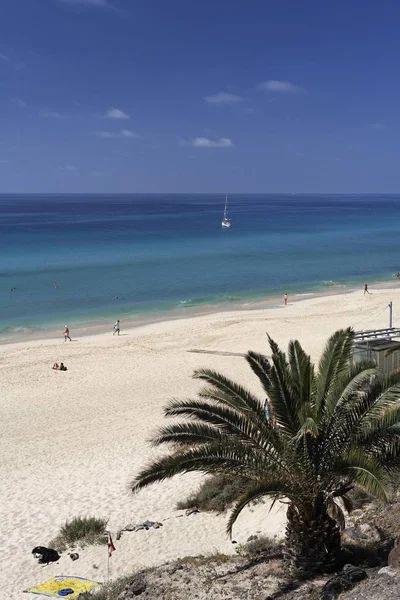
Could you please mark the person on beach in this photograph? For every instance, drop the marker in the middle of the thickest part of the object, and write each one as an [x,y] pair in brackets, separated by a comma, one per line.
[66,334]
[285,299]
[59,367]
[116,327]
[366,291]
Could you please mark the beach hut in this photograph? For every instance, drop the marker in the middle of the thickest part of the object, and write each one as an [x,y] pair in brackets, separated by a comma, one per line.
[379,345]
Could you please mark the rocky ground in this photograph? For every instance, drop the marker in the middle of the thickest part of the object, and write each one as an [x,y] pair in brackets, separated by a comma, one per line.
[263,575]
[255,579]
[376,587]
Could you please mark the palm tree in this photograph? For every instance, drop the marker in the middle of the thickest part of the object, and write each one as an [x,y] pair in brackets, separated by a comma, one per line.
[329,428]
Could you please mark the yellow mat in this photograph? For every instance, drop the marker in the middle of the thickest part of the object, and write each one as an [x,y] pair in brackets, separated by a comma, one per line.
[55,587]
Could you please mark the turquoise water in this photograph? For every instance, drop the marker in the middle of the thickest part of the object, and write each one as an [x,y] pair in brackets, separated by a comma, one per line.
[129,255]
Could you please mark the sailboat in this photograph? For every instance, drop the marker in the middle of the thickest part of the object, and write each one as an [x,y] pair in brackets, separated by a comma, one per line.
[226,222]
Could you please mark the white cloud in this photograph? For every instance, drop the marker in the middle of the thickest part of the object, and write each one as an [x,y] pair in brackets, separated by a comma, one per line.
[281,87]
[18,102]
[223,98]
[49,114]
[69,168]
[115,113]
[124,133]
[98,174]
[378,125]
[10,61]
[202,142]
[96,3]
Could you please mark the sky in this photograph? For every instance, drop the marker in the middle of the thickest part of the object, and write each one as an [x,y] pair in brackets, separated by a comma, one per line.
[199,96]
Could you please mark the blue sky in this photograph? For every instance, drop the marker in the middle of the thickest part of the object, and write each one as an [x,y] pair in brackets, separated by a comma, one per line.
[199,96]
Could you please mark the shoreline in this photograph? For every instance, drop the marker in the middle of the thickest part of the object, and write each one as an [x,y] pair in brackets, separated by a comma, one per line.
[104,325]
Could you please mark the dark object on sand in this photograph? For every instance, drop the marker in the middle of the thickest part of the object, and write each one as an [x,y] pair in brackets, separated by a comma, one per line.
[145,525]
[74,556]
[45,555]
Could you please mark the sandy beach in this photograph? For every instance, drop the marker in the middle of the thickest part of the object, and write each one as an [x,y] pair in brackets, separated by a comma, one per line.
[72,441]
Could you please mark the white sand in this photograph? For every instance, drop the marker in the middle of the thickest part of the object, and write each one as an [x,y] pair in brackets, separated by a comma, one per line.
[71,442]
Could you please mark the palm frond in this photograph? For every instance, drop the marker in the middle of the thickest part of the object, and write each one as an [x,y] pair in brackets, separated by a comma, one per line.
[384,412]
[308,427]
[233,394]
[276,489]
[261,367]
[301,371]
[257,431]
[365,471]
[282,396]
[183,434]
[209,458]
[273,345]
[347,386]
[335,360]
[345,406]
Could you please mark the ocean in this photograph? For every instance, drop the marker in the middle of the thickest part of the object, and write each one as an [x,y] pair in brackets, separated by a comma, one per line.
[76,259]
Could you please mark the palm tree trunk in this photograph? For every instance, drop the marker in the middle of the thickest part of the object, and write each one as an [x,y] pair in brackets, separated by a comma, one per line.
[312,539]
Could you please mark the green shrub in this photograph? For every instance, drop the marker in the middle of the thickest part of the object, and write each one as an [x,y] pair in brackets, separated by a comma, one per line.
[262,544]
[216,494]
[111,591]
[86,530]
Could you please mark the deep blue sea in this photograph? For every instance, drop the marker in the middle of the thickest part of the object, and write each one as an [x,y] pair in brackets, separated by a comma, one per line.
[114,256]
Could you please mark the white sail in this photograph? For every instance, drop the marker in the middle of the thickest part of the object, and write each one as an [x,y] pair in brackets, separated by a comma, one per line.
[226,222]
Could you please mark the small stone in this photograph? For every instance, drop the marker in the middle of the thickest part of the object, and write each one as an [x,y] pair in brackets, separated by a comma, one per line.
[95,566]
[354,573]
[191,511]
[234,542]
[351,535]
[394,556]
[74,556]
[147,524]
[388,571]
[137,587]
[342,582]
[119,534]
[130,527]
[370,532]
